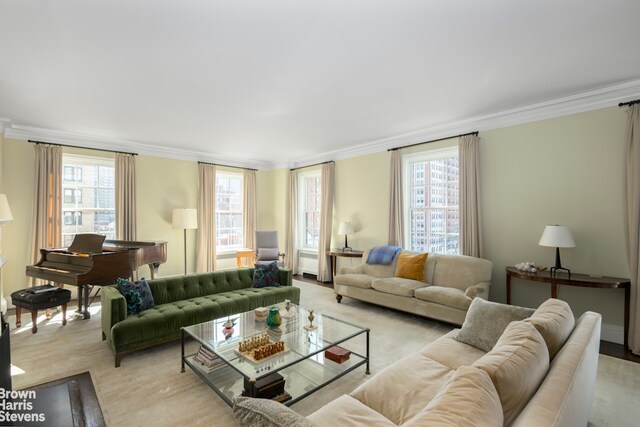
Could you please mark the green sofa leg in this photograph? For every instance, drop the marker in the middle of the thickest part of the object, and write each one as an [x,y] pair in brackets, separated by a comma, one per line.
[119,357]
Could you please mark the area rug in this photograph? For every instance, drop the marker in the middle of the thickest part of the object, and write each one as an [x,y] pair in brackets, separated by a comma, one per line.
[66,402]
[148,389]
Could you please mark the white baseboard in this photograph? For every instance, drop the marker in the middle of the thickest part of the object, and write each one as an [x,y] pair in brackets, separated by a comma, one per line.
[612,333]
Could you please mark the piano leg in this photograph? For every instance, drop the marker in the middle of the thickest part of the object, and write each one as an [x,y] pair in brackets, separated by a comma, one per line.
[83,302]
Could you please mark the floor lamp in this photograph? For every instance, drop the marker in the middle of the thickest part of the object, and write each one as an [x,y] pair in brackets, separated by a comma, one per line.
[186,219]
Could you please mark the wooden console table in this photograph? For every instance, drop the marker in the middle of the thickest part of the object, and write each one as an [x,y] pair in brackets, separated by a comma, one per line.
[335,253]
[581,280]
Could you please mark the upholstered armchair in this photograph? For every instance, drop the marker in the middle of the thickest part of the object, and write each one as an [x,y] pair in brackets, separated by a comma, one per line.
[267,248]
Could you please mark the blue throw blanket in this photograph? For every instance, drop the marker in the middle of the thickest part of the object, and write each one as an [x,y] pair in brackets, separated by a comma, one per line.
[383,255]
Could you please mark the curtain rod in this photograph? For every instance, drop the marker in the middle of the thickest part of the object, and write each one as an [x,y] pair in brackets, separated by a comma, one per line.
[84,148]
[433,140]
[308,166]
[227,166]
[630,103]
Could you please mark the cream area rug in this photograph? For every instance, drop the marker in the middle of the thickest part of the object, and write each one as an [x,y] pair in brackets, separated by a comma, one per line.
[148,388]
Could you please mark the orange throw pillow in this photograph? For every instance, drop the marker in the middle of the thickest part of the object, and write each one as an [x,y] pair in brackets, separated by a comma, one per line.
[411,266]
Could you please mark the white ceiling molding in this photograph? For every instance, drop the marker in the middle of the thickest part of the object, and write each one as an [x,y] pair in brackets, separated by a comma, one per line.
[591,100]
[83,140]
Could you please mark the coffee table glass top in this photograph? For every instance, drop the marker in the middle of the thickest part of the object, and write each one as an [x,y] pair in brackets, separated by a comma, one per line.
[300,342]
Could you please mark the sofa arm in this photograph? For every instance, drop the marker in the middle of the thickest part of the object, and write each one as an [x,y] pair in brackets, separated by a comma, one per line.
[480,290]
[358,269]
[285,278]
[113,309]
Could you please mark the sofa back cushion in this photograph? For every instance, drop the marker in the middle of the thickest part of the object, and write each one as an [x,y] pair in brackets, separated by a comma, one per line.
[517,365]
[554,320]
[459,271]
[469,398]
[171,289]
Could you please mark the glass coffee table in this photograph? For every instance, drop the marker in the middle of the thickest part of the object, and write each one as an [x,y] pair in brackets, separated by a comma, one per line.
[300,360]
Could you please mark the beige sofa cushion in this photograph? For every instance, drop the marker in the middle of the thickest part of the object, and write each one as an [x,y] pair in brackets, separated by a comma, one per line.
[486,321]
[459,271]
[357,280]
[402,390]
[349,412]
[450,297]
[517,365]
[397,286]
[554,320]
[450,352]
[469,398]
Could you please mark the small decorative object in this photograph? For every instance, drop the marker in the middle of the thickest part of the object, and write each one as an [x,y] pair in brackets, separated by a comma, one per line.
[529,267]
[310,326]
[287,304]
[261,312]
[227,329]
[273,319]
[288,311]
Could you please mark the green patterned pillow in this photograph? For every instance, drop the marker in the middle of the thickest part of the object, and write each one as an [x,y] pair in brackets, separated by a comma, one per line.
[250,412]
[265,275]
[138,295]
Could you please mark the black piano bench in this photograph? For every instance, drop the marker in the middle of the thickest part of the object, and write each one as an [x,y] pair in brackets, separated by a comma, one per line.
[27,299]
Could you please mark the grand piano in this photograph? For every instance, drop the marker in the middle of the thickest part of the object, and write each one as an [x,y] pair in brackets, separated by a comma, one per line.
[91,261]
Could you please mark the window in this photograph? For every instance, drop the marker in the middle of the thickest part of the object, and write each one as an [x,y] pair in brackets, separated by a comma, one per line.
[229,225]
[309,202]
[88,190]
[431,197]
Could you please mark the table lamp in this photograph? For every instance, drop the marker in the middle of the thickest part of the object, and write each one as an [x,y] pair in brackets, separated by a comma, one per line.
[187,219]
[557,236]
[345,228]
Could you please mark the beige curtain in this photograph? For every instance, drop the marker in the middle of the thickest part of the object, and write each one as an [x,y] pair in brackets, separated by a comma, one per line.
[291,235]
[326,221]
[125,196]
[206,239]
[396,208]
[470,233]
[46,223]
[250,207]
[632,224]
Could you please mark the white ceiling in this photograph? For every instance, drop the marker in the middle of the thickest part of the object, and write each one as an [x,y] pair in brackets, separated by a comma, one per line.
[253,81]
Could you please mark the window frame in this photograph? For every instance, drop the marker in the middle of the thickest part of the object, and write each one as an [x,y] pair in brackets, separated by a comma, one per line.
[301,229]
[408,189]
[227,249]
[75,162]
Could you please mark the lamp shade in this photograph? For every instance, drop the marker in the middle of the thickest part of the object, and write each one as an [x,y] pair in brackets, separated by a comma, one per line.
[345,228]
[557,236]
[5,211]
[185,218]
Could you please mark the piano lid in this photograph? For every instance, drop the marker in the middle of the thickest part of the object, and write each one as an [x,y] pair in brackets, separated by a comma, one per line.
[87,243]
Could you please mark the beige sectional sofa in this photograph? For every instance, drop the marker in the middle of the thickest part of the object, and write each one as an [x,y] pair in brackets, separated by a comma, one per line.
[451,282]
[540,372]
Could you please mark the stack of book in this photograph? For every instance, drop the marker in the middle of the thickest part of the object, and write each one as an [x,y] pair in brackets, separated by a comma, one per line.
[207,360]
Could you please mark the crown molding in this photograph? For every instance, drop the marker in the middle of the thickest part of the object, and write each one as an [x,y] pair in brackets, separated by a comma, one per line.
[99,142]
[585,101]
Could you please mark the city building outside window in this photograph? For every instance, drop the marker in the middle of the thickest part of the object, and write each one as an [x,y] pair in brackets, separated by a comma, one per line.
[88,189]
[431,199]
[229,211]
[309,202]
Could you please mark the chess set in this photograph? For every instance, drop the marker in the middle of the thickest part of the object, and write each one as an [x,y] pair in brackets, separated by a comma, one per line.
[260,348]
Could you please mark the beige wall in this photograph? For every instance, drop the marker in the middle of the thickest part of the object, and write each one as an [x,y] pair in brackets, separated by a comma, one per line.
[566,170]
[163,184]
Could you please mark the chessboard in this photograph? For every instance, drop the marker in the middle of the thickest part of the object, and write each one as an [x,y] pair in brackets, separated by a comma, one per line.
[250,354]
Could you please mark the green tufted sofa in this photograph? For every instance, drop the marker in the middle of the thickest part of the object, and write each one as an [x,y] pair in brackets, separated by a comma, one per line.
[186,300]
